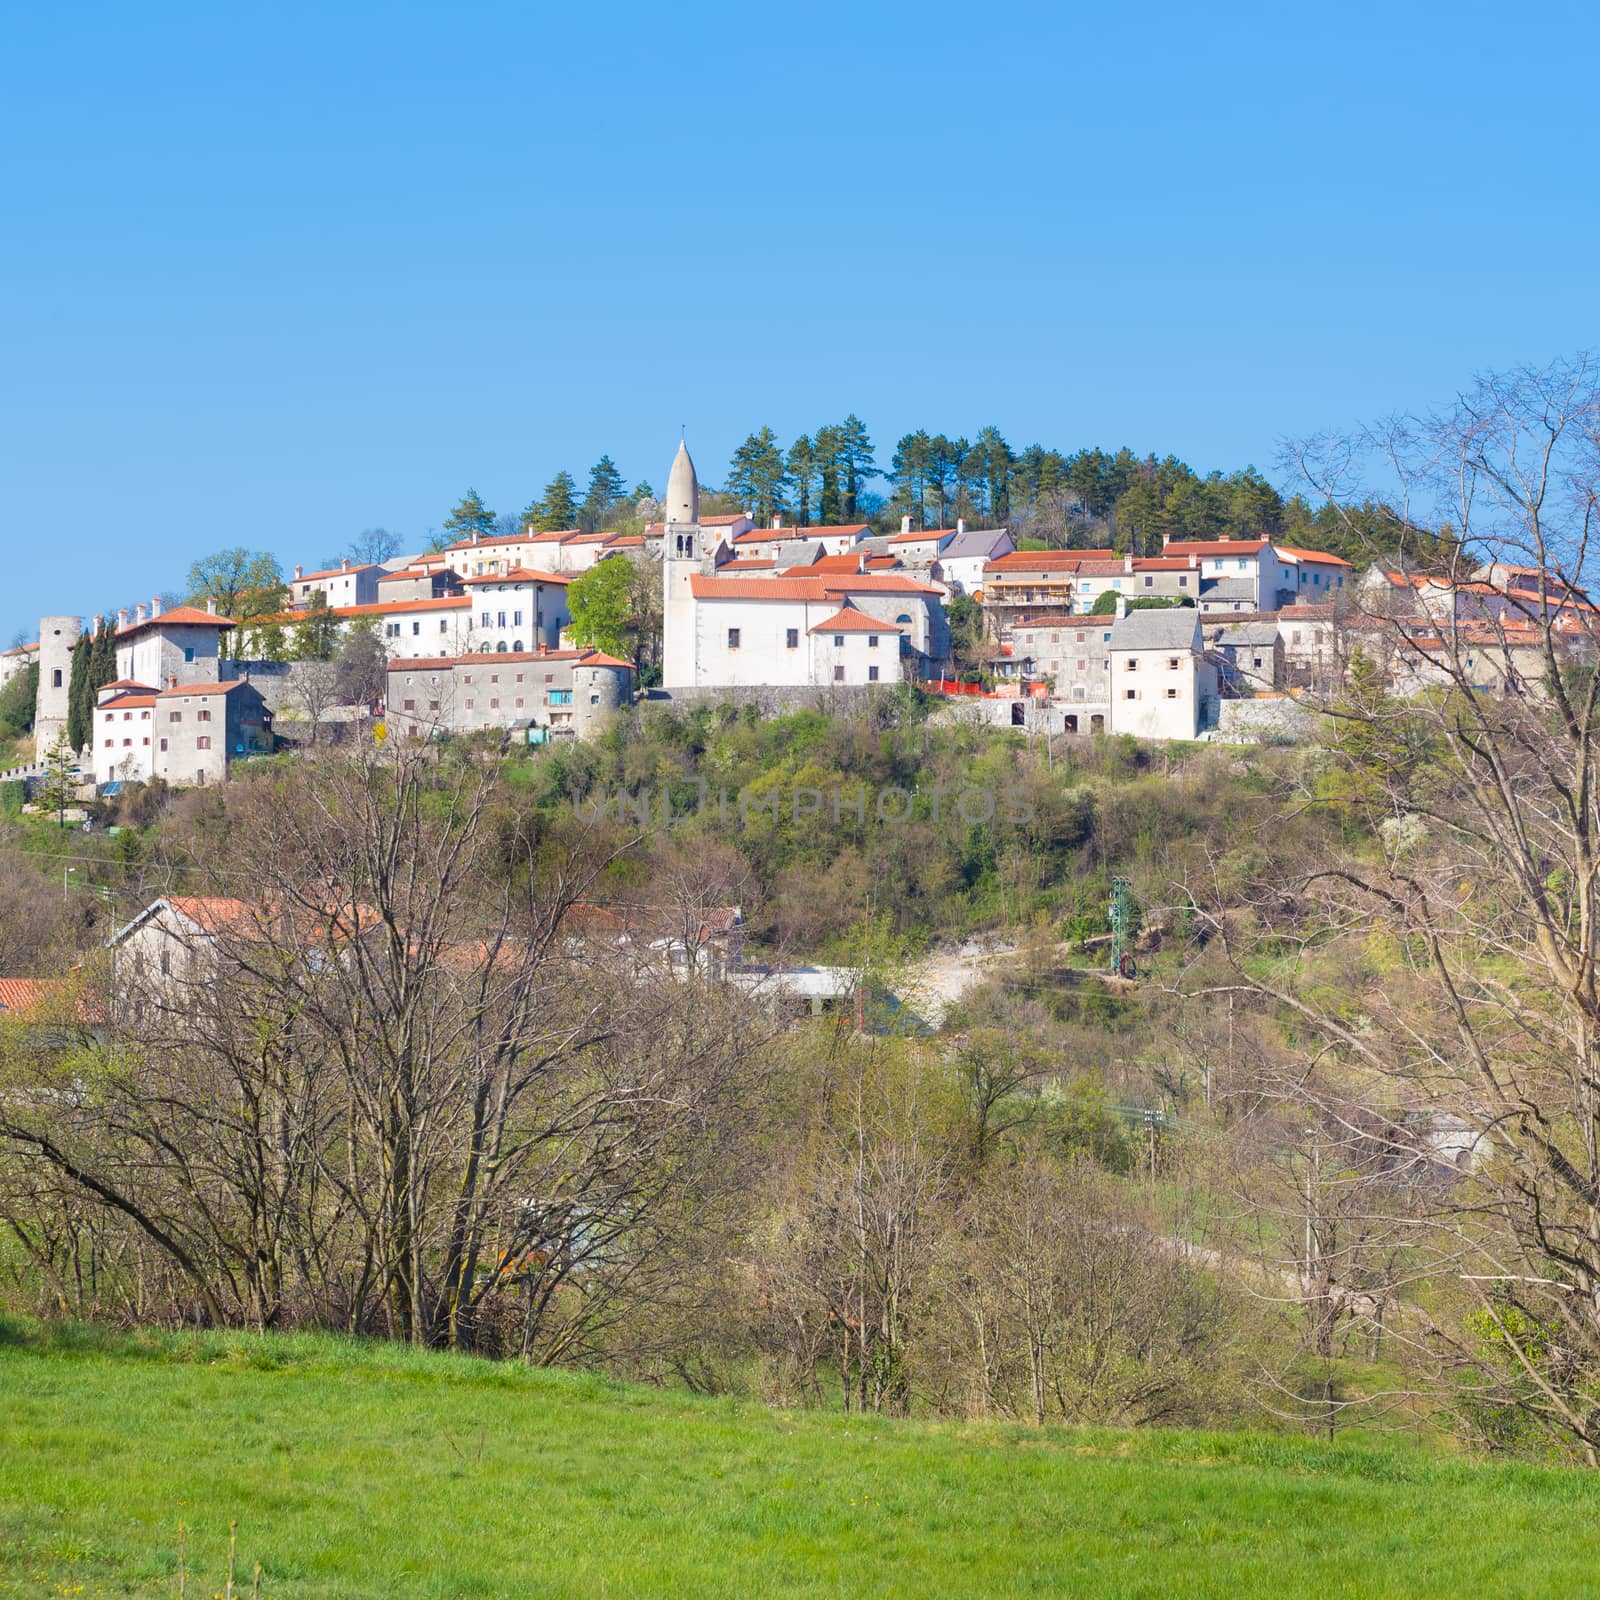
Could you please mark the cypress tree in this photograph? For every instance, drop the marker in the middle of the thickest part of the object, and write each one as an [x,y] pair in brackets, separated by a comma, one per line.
[80,721]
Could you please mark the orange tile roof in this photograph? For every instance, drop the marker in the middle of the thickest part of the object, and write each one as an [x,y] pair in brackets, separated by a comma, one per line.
[31,997]
[1216,547]
[1321,556]
[490,541]
[848,620]
[21,649]
[128,683]
[127,702]
[816,531]
[749,564]
[1046,560]
[182,616]
[205,688]
[919,533]
[523,575]
[335,572]
[493,658]
[790,587]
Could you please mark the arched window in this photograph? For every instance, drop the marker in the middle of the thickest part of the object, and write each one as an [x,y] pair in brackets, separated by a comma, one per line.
[516,647]
[500,649]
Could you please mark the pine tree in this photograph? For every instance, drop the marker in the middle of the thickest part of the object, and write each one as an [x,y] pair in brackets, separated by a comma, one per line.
[829,449]
[909,470]
[557,509]
[856,462]
[59,786]
[757,474]
[995,464]
[802,467]
[80,719]
[607,486]
[469,517]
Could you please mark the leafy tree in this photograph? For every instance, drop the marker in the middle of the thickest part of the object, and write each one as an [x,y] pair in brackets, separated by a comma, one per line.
[757,474]
[601,602]
[470,517]
[246,584]
[17,702]
[557,509]
[802,470]
[317,633]
[607,488]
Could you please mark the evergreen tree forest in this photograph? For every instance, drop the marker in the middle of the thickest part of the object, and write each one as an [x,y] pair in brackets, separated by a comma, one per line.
[1050,499]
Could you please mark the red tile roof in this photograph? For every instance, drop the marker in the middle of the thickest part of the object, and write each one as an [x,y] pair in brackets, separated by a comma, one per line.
[46,999]
[816,531]
[179,616]
[493,658]
[335,572]
[749,564]
[21,649]
[127,702]
[1215,547]
[919,533]
[524,575]
[789,587]
[1320,556]
[848,620]
[1046,560]
[205,688]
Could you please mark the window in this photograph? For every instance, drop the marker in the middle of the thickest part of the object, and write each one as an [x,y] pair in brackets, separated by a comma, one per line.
[733,638]
[203,742]
[174,716]
[486,621]
[502,617]
[1131,664]
[838,674]
[1080,637]
[494,677]
[872,641]
[1172,694]
[494,704]
[838,641]
[519,702]
[561,697]
[469,705]
[516,619]
[408,705]
[1256,661]
[1149,581]
[162,743]
[127,716]
[1183,580]
[791,639]
[549,677]
[1082,665]
[1243,563]
[111,743]
[202,716]
[1172,663]
[1130,694]
[433,705]
[444,627]
[55,678]
[416,628]
[391,630]
[872,674]
[146,741]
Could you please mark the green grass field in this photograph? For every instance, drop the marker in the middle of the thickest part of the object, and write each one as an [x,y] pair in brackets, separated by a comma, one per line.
[356,1470]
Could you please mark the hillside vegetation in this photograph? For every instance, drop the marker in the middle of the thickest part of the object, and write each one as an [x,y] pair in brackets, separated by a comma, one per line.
[358,1470]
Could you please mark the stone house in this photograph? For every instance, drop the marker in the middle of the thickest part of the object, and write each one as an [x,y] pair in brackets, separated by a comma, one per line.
[564,692]
[188,733]
[348,584]
[1163,684]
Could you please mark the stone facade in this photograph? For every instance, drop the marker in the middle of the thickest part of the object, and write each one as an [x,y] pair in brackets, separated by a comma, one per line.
[566,692]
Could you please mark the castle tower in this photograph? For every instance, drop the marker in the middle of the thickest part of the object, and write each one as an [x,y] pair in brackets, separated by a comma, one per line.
[57,636]
[683,560]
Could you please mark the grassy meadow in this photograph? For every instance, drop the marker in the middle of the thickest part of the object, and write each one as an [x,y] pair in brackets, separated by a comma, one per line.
[358,1470]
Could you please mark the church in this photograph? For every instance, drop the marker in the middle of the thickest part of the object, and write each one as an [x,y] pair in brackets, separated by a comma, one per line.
[760,625]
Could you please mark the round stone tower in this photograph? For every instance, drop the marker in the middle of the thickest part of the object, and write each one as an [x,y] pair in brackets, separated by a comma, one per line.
[597,691]
[57,636]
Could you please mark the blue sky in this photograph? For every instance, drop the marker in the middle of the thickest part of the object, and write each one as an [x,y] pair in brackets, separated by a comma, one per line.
[271,275]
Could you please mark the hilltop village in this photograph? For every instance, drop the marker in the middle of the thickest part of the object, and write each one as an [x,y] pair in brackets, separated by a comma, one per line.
[1229,639]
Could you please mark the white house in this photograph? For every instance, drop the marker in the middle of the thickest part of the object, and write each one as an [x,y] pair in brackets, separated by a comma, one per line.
[158,646]
[348,584]
[962,557]
[835,538]
[522,609]
[186,733]
[1162,684]
[1267,575]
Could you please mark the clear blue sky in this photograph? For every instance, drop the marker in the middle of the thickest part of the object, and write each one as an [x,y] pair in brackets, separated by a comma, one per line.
[275,273]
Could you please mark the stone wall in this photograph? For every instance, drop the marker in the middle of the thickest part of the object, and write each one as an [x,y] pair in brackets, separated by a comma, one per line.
[1266,720]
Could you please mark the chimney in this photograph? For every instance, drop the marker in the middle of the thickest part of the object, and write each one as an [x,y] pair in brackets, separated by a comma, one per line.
[299,572]
[155,608]
[905,523]
[1127,562]
[138,612]
[99,622]
[344,565]
[172,680]
[122,619]
[1166,539]
[961,525]
[1122,605]
[777,522]
[476,535]
[1194,561]
[211,605]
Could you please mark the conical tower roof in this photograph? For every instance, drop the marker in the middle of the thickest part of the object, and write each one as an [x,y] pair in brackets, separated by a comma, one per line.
[683,489]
